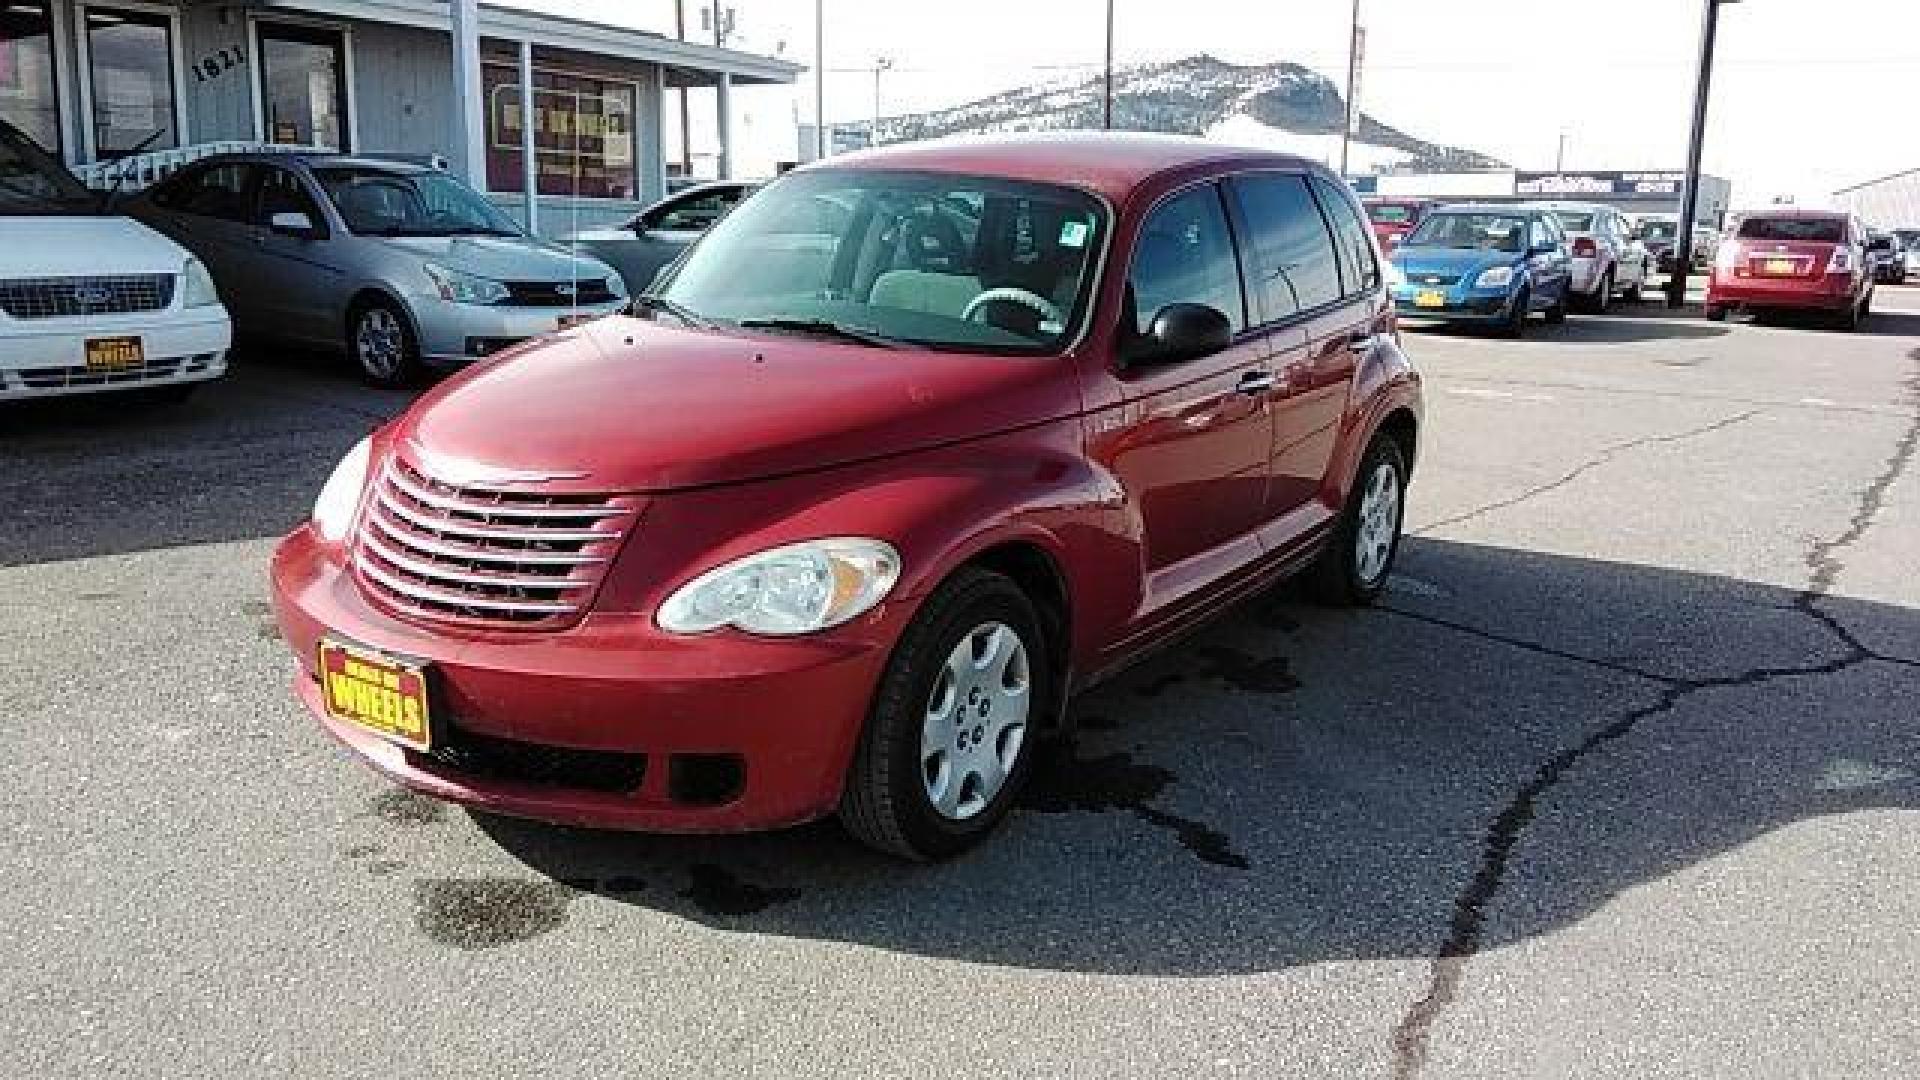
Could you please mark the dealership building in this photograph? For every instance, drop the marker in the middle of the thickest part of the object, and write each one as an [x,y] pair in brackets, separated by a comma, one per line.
[562,118]
[1891,202]
[1631,192]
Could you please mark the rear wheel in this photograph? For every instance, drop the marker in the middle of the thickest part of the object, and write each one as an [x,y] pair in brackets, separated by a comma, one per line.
[950,738]
[381,342]
[1716,313]
[1353,569]
[1603,299]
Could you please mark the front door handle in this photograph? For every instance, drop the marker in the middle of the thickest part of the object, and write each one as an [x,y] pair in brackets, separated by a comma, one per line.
[1256,382]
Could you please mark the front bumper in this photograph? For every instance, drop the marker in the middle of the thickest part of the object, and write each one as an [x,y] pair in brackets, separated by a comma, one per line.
[47,357]
[1463,304]
[785,712]
[453,333]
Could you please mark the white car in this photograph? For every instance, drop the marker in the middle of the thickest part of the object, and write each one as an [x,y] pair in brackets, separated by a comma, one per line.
[92,301]
[1607,259]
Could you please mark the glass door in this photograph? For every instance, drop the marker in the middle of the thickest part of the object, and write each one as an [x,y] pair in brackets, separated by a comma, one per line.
[130,81]
[303,85]
[27,97]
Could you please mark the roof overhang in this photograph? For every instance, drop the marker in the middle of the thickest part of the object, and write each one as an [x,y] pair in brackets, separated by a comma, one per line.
[559,32]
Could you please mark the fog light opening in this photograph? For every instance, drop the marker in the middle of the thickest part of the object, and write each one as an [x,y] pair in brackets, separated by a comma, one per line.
[705,779]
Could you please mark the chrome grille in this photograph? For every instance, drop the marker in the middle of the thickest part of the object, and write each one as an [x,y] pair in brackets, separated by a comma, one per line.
[486,555]
[70,297]
[558,293]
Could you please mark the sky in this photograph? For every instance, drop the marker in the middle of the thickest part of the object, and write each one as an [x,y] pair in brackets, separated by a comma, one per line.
[1809,95]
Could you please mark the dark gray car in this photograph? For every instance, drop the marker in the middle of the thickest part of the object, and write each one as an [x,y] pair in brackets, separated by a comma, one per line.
[657,235]
[399,264]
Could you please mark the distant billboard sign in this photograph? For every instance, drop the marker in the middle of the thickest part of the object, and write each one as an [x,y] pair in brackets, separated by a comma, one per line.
[1598,183]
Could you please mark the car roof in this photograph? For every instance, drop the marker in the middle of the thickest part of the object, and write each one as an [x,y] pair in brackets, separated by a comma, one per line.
[1487,208]
[1578,207]
[321,160]
[1110,163]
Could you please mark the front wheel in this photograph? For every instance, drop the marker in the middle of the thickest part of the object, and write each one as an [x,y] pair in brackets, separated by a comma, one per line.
[382,343]
[1353,569]
[950,737]
[1557,314]
[1516,324]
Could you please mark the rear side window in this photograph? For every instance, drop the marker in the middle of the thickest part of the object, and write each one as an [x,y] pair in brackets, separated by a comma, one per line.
[216,192]
[1817,230]
[1358,271]
[1291,263]
[1185,256]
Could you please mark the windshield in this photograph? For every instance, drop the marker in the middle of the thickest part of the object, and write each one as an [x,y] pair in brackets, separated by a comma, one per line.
[1819,230]
[1390,213]
[1490,232]
[32,182]
[963,262]
[1574,222]
[377,202]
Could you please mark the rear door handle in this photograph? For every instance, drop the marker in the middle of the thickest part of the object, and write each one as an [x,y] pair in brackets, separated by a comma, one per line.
[1256,382]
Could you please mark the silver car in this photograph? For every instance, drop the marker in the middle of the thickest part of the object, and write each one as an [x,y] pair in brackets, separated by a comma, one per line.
[656,236]
[400,265]
[1608,258]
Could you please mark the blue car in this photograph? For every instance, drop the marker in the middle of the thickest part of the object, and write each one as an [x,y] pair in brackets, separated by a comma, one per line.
[1490,265]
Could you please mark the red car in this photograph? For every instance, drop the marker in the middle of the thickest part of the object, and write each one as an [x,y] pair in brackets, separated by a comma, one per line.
[1794,260]
[910,447]
[1393,219]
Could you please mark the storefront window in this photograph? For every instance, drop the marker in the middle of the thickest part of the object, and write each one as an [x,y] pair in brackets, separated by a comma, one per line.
[130,79]
[27,97]
[582,134]
[303,85]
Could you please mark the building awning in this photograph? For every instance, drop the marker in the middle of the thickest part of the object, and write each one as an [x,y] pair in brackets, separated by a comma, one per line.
[689,60]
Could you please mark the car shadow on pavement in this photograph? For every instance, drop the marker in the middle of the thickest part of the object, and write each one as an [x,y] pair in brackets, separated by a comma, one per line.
[1626,323]
[242,459]
[1510,741]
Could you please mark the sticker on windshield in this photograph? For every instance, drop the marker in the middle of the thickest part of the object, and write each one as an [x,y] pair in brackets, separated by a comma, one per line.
[1073,234]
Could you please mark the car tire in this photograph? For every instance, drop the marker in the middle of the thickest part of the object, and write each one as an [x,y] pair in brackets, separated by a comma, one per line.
[1352,570]
[1716,313]
[1635,292]
[922,784]
[1603,297]
[381,341]
[1516,324]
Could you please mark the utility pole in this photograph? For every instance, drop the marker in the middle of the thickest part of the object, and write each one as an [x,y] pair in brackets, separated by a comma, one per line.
[819,79]
[1690,197]
[880,64]
[1106,114]
[686,114]
[1353,87]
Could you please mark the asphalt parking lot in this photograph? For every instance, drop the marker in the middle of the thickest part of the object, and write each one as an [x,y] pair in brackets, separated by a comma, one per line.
[1621,781]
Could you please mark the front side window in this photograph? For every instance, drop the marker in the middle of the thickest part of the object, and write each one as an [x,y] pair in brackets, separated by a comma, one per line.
[282,193]
[130,80]
[1358,270]
[1293,265]
[1484,231]
[28,99]
[377,202]
[947,261]
[1542,235]
[1185,255]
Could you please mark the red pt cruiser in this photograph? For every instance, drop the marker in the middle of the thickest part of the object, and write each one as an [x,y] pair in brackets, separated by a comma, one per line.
[909,448]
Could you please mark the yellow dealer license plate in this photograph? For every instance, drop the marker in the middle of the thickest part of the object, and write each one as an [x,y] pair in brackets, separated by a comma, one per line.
[383,694]
[1782,267]
[115,353]
[1429,298]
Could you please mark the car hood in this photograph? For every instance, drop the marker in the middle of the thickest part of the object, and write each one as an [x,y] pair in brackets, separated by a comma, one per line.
[84,246]
[628,404]
[1416,262]
[501,258]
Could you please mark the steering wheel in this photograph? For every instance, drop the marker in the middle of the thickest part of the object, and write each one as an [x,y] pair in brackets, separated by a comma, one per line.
[1022,297]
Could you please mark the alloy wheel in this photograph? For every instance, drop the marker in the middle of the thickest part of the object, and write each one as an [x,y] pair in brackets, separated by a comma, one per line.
[379,343]
[1379,523]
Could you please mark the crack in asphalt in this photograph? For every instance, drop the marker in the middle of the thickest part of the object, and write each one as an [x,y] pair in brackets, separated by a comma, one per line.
[1413,1034]
[1605,455]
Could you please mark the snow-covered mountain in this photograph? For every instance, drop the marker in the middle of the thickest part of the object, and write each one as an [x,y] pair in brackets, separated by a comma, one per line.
[1280,106]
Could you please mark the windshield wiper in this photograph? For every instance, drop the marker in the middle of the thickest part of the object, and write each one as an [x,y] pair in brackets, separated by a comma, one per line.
[827,328]
[655,302]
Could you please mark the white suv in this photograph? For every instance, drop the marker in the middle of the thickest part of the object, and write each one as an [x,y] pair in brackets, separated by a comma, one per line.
[92,301]
[1607,258]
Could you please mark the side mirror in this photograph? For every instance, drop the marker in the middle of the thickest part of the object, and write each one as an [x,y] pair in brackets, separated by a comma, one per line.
[1181,332]
[291,223]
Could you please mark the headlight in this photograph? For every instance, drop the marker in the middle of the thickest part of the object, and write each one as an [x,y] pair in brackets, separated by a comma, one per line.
[1494,277]
[464,288]
[196,286]
[1395,276]
[333,510]
[795,589]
